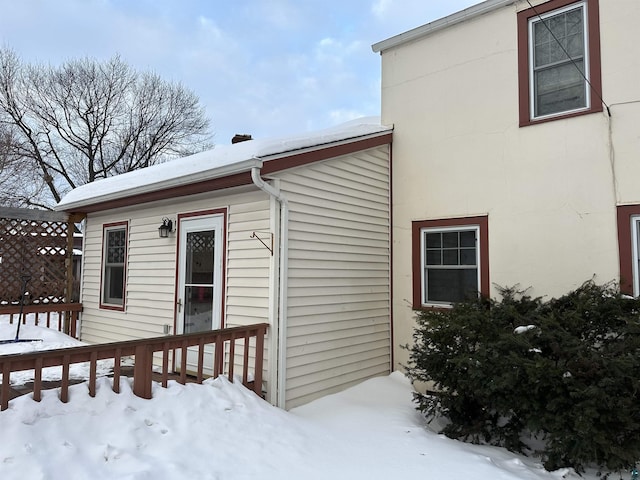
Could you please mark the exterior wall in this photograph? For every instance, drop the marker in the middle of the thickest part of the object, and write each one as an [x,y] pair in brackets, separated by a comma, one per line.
[338,285]
[549,190]
[151,267]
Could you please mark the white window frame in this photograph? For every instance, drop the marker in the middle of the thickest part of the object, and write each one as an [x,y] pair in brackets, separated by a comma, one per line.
[109,301]
[423,261]
[635,251]
[532,87]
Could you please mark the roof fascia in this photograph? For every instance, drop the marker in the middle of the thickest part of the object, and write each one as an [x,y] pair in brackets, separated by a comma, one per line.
[291,159]
[440,24]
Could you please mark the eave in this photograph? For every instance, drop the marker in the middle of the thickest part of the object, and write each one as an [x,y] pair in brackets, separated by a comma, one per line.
[440,24]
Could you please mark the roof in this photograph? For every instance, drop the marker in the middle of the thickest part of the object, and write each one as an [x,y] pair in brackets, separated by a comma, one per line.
[444,22]
[224,166]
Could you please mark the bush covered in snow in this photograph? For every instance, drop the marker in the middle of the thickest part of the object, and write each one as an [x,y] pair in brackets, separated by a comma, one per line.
[566,371]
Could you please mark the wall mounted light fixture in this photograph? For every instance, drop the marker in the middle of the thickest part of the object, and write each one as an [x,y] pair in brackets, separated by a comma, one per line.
[165,228]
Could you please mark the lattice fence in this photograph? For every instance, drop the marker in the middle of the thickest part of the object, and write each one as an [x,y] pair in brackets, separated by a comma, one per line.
[33,243]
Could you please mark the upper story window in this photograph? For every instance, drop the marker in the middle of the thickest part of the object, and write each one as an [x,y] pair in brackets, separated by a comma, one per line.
[114,255]
[450,260]
[559,60]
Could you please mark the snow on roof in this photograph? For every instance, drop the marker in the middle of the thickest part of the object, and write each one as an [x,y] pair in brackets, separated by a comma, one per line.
[223,160]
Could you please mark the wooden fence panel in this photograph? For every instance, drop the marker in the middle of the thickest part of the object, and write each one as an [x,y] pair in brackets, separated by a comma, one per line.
[38,249]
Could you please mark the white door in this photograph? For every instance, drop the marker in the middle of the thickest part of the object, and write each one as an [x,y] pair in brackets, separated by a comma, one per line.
[200,279]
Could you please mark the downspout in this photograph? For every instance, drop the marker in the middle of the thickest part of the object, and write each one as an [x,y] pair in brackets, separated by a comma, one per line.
[283,276]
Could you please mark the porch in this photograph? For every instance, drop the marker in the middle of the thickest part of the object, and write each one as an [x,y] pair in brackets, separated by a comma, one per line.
[237,351]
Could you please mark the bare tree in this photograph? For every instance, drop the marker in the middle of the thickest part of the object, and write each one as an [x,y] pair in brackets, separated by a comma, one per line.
[85,120]
[18,185]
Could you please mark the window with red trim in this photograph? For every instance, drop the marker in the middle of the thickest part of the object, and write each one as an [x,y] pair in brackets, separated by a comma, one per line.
[450,260]
[559,60]
[114,257]
[629,248]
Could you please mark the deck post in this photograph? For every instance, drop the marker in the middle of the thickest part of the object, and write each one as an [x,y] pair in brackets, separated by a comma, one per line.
[142,372]
[6,384]
[257,374]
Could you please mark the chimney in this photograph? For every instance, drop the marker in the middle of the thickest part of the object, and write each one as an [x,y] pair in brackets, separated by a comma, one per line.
[240,137]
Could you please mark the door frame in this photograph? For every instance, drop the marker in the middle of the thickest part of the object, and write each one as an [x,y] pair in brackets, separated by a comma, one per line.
[223,212]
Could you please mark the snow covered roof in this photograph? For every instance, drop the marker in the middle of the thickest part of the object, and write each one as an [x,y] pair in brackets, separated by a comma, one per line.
[222,161]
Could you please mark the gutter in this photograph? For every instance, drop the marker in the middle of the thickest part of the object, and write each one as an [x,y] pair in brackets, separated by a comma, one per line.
[281,332]
[440,24]
[139,183]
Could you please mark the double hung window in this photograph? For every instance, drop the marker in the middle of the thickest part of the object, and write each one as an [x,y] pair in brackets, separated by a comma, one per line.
[114,256]
[450,261]
[558,61]
[559,53]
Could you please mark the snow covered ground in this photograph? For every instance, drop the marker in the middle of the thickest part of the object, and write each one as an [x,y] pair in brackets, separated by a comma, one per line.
[221,430]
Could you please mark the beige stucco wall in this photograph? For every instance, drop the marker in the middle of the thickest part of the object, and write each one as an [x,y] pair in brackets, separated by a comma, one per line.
[550,190]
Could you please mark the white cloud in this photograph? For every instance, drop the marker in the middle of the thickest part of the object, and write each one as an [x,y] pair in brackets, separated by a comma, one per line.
[268,68]
[380,7]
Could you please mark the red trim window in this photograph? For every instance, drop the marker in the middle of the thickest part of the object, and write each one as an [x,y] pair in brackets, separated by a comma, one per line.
[629,248]
[114,265]
[450,260]
[559,60]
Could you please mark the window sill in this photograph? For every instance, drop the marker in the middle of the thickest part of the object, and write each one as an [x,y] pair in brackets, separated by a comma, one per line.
[561,116]
[443,307]
[116,308]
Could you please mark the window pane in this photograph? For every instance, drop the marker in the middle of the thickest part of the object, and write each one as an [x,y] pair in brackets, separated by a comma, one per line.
[450,257]
[560,89]
[114,285]
[434,257]
[434,240]
[451,285]
[468,238]
[198,308]
[467,256]
[450,239]
[116,240]
[199,257]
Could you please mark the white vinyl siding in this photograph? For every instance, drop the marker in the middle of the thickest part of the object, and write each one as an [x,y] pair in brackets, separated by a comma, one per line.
[151,269]
[338,286]
[338,271]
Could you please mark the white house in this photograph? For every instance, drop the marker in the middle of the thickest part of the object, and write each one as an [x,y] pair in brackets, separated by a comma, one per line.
[294,232]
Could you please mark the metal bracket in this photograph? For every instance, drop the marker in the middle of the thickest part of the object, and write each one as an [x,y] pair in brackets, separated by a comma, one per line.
[270,248]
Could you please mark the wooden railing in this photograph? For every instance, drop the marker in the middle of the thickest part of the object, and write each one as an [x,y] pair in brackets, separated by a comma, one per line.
[142,351]
[59,316]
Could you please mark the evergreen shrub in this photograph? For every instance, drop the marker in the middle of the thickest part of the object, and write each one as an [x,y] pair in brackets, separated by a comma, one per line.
[566,371]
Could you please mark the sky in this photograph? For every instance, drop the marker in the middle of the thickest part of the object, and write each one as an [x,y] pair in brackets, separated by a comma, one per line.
[369,432]
[268,68]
